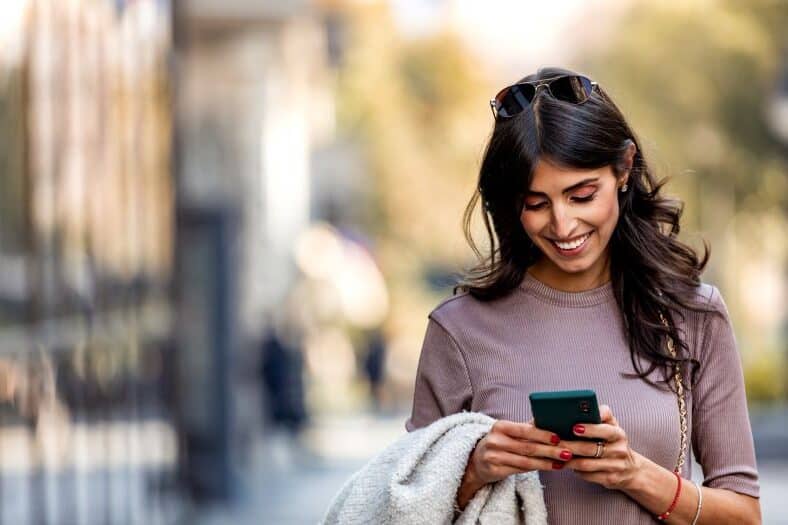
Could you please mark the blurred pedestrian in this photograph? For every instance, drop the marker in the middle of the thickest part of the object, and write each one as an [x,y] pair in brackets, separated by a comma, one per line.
[281,370]
[374,367]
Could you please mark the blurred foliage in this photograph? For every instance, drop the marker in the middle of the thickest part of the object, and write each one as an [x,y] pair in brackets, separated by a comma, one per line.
[419,107]
[695,80]
[765,377]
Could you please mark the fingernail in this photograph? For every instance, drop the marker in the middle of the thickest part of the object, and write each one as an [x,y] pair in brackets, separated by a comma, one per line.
[565,454]
[557,465]
[579,429]
[554,439]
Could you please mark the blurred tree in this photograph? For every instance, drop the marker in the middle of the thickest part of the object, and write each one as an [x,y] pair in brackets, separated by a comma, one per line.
[697,79]
[419,107]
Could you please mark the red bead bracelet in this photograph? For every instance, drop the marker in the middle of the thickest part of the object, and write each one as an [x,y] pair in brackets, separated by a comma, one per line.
[665,514]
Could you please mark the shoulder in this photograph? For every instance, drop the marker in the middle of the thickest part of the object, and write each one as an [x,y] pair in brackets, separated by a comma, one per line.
[705,307]
[705,292]
[710,297]
[464,308]
[713,322]
[467,317]
[453,305]
[704,311]
[455,309]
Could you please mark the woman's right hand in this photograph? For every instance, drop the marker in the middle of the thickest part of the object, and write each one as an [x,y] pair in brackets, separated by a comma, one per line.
[511,447]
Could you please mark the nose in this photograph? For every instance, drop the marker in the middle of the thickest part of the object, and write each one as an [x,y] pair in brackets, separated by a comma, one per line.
[562,222]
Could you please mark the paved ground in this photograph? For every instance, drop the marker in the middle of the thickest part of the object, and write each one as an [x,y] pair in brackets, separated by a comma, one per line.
[293,485]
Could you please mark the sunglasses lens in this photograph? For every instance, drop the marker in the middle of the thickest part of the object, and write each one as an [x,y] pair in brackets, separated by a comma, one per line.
[513,99]
[575,89]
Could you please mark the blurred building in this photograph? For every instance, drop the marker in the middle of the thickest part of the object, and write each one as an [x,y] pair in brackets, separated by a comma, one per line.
[159,163]
[254,115]
[87,433]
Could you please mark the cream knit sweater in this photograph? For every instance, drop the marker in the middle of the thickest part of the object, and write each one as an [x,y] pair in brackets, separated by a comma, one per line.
[415,481]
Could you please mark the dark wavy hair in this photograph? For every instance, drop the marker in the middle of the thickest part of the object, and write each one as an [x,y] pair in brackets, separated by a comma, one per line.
[651,270]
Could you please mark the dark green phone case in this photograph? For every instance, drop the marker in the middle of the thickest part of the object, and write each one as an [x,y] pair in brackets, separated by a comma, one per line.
[560,410]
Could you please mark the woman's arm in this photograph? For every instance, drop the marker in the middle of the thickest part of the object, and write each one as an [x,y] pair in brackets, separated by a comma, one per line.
[651,485]
[654,487]
[721,436]
[442,385]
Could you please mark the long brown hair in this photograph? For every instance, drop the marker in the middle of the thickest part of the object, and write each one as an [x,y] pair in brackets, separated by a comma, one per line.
[651,270]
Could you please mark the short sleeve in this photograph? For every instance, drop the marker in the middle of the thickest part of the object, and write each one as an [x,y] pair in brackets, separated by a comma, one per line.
[721,432]
[443,385]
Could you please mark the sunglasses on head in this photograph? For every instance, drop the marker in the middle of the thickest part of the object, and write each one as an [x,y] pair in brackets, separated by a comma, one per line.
[513,99]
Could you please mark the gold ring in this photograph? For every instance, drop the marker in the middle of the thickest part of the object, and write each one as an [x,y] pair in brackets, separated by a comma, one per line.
[600,449]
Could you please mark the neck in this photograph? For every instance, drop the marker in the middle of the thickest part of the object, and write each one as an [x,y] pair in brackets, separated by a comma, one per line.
[548,273]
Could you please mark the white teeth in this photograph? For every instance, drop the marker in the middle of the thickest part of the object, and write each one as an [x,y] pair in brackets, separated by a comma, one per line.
[572,245]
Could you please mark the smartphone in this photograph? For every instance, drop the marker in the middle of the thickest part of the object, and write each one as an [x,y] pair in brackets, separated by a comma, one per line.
[558,411]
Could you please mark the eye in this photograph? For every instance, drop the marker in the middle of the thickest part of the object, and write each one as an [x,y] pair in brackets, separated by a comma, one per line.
[537,206]
[585,198]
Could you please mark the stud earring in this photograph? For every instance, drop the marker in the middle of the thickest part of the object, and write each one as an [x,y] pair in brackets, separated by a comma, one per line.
[624,188]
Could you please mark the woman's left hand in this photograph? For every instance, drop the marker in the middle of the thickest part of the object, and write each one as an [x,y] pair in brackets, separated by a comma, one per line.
[619,464]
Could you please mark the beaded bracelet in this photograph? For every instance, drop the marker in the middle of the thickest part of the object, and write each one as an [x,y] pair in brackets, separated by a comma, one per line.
[675,499]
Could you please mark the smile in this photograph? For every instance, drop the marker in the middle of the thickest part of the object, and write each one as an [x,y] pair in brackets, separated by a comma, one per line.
[574,244]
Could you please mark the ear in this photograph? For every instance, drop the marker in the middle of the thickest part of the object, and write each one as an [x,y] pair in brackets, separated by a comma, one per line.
[627,161]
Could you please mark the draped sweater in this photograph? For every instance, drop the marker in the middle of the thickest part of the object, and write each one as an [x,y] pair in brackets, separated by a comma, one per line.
[488,356]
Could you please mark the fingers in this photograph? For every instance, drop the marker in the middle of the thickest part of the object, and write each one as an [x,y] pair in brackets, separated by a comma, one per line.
[525,431]
[511,447]
[608,431]
[602,431]
[518,463]
[503,443]
[580,448]
[606,415]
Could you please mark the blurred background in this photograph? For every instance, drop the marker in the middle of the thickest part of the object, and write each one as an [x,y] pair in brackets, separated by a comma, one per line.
[223,224]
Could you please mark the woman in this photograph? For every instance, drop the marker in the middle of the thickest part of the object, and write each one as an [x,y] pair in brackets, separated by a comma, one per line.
[589,287]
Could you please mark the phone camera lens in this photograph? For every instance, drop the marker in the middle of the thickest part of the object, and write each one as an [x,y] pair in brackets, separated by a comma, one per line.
[585,407]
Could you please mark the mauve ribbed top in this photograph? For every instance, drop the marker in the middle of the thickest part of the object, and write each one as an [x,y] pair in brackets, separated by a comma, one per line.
[488,357]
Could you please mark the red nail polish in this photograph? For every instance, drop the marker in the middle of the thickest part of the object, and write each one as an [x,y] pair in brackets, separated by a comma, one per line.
[554,439]
[580,429]
[557,465]
[565,454]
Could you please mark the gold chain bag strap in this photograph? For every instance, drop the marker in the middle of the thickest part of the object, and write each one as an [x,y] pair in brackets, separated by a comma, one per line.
[682,402]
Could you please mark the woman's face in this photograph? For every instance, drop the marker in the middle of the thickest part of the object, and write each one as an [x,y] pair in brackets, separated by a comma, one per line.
[570,215]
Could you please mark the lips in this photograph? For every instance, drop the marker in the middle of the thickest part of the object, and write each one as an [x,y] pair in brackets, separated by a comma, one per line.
[573,246]
[572,243]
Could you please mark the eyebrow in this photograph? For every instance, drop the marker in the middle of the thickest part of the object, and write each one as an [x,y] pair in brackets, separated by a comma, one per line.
[566,190]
